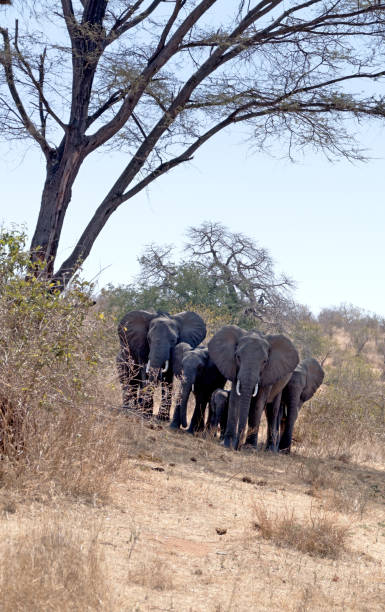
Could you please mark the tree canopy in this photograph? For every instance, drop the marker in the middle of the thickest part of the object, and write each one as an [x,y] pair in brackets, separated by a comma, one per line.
[159,78]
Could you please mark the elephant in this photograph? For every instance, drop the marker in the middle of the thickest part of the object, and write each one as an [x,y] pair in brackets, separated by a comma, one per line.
[156,343]
[219,403]
[259,366]
[304,382]
[202,377]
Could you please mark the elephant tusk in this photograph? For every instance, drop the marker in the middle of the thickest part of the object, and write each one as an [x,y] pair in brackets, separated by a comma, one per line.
[237,388]
[255,390]
[164,370]
[148,367]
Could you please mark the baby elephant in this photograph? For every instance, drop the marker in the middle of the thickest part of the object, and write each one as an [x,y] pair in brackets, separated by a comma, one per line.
[304,382]
[219,404]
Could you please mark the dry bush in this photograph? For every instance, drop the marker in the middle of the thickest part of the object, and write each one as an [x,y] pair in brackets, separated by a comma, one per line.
[319,536]
[75,452]
[153,574]
[345,419]
[58,385]
[52,567]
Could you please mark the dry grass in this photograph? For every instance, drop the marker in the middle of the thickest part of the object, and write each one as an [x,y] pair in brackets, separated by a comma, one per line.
[153,574]
[74,452]
[172,511]
[52,567]
[318,535]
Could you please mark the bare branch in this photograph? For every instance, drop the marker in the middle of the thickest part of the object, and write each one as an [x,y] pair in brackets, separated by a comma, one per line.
[6,61]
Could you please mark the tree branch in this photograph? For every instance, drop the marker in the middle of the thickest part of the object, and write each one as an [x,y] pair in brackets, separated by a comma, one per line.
[38,84]
[6,61]
[154,65]
[122,25]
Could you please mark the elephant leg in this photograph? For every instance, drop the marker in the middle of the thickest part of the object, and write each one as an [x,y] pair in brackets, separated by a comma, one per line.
[145,400]
[292,408]
[176,419]
[272,411]
[281,419]
[205,402]
[198,418]
[223,420]
[130,380]
[165,404]
[256,408]
[210,417]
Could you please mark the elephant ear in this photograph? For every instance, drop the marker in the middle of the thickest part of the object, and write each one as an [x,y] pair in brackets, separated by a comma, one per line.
[132,331]
[283,359]
[222,350]
[179,352]
[314,378]
[192,328]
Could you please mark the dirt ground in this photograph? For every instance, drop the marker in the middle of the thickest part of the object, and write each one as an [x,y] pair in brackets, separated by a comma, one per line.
[180,529]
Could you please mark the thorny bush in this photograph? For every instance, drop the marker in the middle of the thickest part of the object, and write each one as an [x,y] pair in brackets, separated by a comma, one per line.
[55,349]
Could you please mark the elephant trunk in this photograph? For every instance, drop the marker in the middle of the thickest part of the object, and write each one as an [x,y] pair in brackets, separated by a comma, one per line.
[245,390]
[244,407]
[187,386]
[159,358]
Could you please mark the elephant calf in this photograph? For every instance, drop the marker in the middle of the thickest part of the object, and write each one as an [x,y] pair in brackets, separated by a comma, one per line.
[219,404]
[304,382]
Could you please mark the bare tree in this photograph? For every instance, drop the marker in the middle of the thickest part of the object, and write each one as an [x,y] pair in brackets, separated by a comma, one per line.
[238,274]
[161,77]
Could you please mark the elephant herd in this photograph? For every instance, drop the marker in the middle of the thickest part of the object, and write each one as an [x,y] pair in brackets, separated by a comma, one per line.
[263,369]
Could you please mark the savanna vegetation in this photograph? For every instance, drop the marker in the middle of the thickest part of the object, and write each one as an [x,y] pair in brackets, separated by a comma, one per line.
[90,498]
[99,509]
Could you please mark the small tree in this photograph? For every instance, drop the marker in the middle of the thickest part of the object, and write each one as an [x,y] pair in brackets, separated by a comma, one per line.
[159,78]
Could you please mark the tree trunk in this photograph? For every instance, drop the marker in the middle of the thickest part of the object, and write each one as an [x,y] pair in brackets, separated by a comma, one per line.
[57,193]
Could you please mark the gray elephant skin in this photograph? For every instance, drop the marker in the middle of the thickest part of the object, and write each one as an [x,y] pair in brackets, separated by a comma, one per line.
[201,377]
[156,343]
[304,382]
[259,366]
[219,404]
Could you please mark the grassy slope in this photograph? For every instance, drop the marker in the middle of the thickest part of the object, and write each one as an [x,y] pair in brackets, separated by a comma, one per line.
[156,542]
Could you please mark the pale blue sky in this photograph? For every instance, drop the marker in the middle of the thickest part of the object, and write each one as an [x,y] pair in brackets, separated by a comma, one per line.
[323,223]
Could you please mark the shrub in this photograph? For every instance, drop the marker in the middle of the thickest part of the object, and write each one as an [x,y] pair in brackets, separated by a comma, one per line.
[320,535]
[346,416]
[57,376]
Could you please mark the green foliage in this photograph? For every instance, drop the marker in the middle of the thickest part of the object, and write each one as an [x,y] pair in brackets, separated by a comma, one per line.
[189,288]
[221,270]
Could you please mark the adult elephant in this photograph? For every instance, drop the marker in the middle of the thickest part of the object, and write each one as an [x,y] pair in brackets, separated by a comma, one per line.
[219,404]
[200,376]
[153,342]
[259,366]
[304,382]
